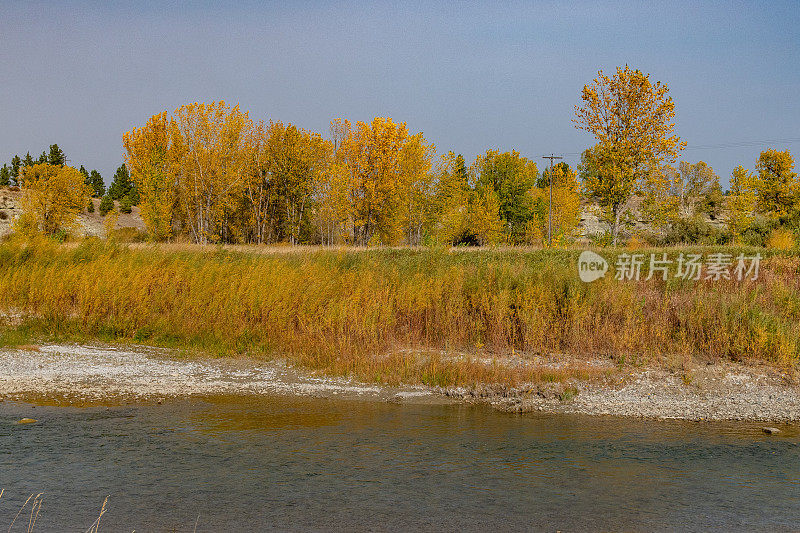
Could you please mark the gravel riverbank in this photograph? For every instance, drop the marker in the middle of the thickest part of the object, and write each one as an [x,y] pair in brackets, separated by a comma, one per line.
[107,374]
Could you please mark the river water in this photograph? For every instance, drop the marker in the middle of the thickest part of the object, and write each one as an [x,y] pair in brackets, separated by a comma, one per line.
[253,464]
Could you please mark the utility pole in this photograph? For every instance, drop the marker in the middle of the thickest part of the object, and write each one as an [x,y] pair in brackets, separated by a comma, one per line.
[551,157]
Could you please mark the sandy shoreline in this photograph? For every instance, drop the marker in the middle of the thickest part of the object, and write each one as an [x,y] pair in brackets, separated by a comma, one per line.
[79,374]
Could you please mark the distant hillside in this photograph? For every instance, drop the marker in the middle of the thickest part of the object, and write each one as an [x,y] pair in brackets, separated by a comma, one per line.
[91,223]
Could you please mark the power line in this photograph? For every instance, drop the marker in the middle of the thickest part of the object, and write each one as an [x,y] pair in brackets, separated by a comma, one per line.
[741,144]
[721,146]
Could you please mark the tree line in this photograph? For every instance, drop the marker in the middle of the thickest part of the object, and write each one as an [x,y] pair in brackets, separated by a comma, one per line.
[211,174]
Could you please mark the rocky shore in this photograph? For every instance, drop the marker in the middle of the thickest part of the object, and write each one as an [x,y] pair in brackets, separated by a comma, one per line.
[722,391]
[75,374]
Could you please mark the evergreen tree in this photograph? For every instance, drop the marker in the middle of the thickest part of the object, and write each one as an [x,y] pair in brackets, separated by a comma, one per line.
[106,205]
[97,185]
[90,207]
[42,158]
[28,161]
[85,173]
[5,176]
[56,156]
[125,204]
[16,163]
[121,185]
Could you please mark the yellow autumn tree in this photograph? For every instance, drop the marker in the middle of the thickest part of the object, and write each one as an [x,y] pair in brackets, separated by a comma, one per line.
[566,205]
[333,210]
[53,196]
[741,202]
[451,202]
[213,160]
[150,160]
[777,185]
[632,120]
[661,196]
[418,186]
[483,216]
[384,162]
[289,163]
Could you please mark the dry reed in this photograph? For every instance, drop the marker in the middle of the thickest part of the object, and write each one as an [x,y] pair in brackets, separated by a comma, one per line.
[396,315]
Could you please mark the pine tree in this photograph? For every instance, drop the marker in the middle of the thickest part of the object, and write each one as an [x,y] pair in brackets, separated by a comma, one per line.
[97,184]
[42,158]
[16,163]
[121,185]
[106,205]
[90,207]
[57,156]
[5,176]
[125,204]
[28,161]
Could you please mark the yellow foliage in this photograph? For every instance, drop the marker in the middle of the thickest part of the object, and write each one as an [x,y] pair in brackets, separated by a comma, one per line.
[633,121]
[566,207]
[777,185]
[152,166]
[781,239]
[741,202]
[385,165]
[110,223]
[53,196]
[483,219]
[636,242]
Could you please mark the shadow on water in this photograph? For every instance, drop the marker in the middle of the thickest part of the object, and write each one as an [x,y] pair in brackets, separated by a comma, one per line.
[248,463]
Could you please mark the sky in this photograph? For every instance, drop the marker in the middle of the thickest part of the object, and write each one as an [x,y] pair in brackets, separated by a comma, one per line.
[470,76]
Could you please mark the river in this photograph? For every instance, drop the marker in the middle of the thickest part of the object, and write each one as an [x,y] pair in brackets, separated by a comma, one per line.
[294,463]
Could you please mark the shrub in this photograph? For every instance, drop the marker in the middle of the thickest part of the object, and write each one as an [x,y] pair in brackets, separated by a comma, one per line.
[90,207]
[692,231]
[757,233]
[106,205]
[781,239]
[128,234]
[125,205]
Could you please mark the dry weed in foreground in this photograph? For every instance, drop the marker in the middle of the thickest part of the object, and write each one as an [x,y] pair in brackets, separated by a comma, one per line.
[36,507]
[95,527]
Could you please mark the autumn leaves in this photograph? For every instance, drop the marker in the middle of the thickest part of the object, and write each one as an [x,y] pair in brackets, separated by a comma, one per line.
[213,174]
[209,172]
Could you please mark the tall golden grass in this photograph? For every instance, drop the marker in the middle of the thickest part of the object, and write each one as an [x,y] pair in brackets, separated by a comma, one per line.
[394,315]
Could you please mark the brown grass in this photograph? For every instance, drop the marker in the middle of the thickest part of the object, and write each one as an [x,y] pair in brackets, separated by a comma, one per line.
[397,315]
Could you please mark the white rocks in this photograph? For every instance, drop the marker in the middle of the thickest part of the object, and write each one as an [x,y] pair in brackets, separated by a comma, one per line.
[94,373]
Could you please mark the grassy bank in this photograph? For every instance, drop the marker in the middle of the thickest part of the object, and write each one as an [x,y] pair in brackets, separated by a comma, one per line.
[396,315]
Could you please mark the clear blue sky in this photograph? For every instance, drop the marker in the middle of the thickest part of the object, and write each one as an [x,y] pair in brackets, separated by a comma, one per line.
[471,76]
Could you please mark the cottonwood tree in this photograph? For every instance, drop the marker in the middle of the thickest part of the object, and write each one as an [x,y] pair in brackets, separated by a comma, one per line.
[53,196]
[384,161]
[776,185]
[741,201]
[212,163]
[512,177]
[150,157]
[289,164]
[632,120]
[451,199]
